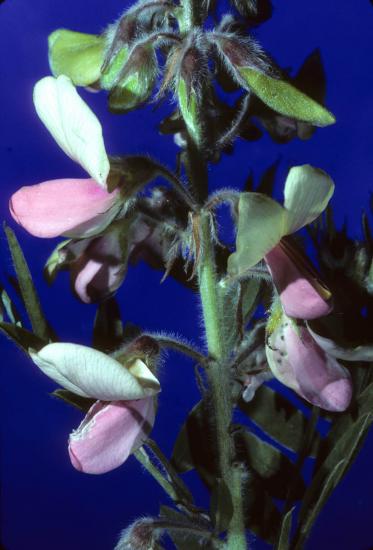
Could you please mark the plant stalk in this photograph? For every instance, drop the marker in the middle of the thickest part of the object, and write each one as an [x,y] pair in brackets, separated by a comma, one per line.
[219,380]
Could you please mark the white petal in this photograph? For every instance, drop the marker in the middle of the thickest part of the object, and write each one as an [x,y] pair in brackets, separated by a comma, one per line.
[307,193]
[360,353]
[91,373]
[261,225]
[73,125]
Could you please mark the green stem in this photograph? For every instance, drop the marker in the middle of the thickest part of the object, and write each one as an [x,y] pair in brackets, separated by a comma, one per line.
[144,459]
[218,375]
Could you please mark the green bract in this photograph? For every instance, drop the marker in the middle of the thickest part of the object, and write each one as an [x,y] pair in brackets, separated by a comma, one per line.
[76,55]
[135,86]
[283,98]
[189,110]
[110,76]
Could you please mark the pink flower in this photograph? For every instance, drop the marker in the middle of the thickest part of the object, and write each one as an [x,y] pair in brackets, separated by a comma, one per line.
[123,415]
[299,362]
[73,207]
[262,225]
[301,293]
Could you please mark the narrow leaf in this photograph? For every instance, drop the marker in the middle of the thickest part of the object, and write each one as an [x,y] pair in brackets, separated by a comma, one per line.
[330,473]
[22,337]
[81,403]
[277,417]
[274,468]
[284,539]
[7,307]
[29,295]
[283,98]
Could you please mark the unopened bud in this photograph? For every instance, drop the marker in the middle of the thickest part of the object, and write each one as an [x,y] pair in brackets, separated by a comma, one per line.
[141,535]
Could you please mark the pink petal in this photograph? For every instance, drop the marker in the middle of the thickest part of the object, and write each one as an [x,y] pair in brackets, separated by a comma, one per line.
[101,269]
[302,296]
[299,363]
[322,380]
[109,433]
[71,207]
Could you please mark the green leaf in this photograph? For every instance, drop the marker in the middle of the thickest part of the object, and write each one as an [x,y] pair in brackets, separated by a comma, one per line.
[7,307]
[22,337]
[194,448]
[189,110]
[221,505]
[76,55]
[283,98]
[250,294]
[346,422]
[284,539]
[329,475]
[277,417]
[29,295]
[261,515]
[274,468]
[108,327]
[77,401]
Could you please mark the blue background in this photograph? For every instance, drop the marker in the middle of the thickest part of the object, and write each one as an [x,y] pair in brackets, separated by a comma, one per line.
[45,502]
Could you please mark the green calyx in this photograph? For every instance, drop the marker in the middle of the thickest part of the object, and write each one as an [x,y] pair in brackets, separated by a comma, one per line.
[136,84]
[283,98]
[76,55]
[189,110]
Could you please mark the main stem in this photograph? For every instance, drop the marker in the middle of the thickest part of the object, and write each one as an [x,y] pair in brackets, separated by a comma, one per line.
[218,375]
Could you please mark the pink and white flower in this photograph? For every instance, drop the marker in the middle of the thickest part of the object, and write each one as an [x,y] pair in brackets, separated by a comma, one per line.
[73,207]
[261,227]
[123,415]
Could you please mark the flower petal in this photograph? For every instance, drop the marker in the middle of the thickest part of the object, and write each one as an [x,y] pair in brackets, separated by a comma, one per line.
[110,433]
[102,267]
[73,125]
[307,193]
[72,207]
[91,373]
[76,55]
[298,362]
[359,353]
[323,381]
[261,224]
[301,294]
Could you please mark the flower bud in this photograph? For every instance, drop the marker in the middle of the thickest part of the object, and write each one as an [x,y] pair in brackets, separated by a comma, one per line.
[76,55]
[140,535]
[130,77]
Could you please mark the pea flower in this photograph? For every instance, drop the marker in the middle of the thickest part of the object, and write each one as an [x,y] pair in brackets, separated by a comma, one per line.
[118,423]
[72,207]
[263,223]
[300,362]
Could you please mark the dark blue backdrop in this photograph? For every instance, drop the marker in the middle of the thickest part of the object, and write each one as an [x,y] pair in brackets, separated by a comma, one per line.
[45,502]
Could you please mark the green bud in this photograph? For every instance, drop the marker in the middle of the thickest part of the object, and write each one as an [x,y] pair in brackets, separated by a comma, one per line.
[76,55]
[130,78]
[110,75]
[283,98]
[189,110]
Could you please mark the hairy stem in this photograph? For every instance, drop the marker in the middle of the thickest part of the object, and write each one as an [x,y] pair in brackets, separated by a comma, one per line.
[218,375]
